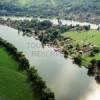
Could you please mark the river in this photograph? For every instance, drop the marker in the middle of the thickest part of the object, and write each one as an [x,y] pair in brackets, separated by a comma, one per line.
[66,80]
[54,21]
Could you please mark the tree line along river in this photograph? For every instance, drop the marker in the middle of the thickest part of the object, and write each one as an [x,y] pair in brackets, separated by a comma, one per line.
[68,81]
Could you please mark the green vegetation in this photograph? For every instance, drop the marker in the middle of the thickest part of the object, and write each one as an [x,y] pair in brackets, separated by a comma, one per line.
[76,39]
[13,85]
[71,3]
[79,42]
[84,38]
[85,50]
[91,36]
[86,10]
[39,90]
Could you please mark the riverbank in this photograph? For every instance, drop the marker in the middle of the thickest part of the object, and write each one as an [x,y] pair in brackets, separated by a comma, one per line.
[49,34]
[89,39]
[38,89]
[55,69]
[54,21]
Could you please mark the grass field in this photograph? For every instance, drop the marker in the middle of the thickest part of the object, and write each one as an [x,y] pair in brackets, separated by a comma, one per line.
[91,36]
[81,37]
[13,84]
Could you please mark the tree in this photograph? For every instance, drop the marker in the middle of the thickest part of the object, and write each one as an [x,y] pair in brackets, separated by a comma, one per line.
[44,25]
[48,95]
[78,60]
[87,27]
[93,62]
[65,53]
[98,63]
[24,63]
[97,78]
[96,50]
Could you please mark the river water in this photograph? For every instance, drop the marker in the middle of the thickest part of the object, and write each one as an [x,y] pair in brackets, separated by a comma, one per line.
[66,80]
[54,21]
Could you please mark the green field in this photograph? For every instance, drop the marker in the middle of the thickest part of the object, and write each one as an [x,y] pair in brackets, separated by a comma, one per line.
[91,36]
[13,84]
[82,37]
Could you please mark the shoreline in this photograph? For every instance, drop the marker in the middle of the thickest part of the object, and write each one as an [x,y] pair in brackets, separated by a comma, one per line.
[61,49]
[54,20]
[58,47]
[31,72]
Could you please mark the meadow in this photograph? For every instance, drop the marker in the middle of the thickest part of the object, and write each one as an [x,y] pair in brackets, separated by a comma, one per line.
[13,84]
[91,36]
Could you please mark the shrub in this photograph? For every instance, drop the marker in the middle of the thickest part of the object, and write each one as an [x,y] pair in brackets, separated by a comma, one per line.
[78,60]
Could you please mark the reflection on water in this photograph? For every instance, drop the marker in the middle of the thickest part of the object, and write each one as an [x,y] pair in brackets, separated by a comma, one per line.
[68,81]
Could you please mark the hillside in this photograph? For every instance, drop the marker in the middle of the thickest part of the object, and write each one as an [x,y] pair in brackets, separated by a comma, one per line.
[69,4]
[54,3]
[76,9]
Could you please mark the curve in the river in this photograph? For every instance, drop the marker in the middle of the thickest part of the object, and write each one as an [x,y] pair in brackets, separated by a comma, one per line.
[55,21]
[68,81]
